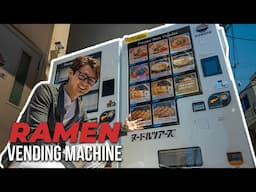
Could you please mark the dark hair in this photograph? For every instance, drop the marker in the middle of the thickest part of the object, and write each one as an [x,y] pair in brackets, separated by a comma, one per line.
[86,60]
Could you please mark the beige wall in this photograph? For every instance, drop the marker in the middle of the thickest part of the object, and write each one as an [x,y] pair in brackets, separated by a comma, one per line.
[60,34]
[39,34]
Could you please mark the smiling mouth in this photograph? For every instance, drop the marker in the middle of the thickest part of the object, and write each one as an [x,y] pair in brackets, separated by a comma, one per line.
[83,89]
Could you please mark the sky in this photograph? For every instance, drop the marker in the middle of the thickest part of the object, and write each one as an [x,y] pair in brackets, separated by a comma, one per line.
[242,51]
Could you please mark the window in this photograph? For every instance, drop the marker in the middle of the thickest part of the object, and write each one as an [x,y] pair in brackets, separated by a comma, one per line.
[211,66]
[20,79]
[245,103]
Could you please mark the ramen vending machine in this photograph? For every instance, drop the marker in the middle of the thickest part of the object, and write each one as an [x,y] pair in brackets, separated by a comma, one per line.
[178,79]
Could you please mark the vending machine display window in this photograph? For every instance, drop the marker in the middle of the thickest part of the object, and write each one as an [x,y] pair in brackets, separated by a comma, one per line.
[91,101]
[62,72]
[162,69]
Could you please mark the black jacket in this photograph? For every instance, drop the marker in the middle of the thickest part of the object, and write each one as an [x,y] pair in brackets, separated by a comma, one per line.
[47,105]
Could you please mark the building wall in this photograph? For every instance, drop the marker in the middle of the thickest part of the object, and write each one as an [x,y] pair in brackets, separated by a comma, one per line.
[60,34]
[40,35]
[44,37]
[14,45]
[250,113]
[40,40]
[86,35]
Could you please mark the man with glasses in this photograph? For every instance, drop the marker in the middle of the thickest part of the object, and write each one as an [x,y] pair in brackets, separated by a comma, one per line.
[62,103]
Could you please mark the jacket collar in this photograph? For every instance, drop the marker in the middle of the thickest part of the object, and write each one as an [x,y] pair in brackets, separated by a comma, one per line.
[60,111]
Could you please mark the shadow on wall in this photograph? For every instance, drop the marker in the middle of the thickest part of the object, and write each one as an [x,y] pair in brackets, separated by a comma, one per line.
[53,54]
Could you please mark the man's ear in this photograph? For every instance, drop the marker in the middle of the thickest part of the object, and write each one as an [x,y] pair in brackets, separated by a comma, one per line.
[70,72]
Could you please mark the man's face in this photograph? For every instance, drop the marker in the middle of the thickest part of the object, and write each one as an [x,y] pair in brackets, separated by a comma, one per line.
[82,80]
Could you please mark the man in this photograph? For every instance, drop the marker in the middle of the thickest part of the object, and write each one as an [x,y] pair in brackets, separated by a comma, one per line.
[51,104]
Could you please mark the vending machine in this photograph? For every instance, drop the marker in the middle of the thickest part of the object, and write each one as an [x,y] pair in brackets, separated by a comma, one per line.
[179,80]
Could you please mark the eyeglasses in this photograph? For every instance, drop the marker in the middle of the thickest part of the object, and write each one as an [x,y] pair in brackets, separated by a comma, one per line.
[90,80]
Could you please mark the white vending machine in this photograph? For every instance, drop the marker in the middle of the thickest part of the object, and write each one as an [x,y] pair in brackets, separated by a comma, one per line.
[179,80]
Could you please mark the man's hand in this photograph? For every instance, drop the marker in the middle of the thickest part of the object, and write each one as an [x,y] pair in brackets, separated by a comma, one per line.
[134,125]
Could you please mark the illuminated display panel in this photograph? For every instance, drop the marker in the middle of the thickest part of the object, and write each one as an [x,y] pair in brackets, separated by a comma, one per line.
[162,69]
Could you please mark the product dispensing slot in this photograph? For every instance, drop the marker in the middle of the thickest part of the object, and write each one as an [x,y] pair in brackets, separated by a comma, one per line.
[182,157]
